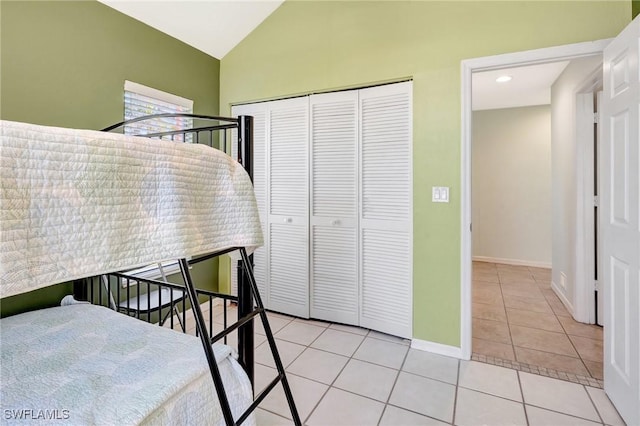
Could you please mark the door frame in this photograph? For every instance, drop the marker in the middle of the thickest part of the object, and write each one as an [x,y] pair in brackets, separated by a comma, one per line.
[468,66]
[584,303]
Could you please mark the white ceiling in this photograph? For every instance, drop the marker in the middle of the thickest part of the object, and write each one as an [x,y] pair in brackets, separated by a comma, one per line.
[212,26]
[530,85]
[217,26]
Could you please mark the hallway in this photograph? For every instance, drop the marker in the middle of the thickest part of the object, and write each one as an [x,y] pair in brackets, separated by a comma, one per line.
[520,323]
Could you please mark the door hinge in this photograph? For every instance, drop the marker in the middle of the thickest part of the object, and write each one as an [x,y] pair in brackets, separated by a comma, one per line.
[596,201]
[596,118]
[596,285]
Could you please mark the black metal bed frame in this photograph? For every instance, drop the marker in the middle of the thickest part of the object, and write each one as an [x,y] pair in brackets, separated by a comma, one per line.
[248,299]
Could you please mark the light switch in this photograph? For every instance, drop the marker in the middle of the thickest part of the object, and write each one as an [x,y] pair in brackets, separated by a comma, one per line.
[440,194]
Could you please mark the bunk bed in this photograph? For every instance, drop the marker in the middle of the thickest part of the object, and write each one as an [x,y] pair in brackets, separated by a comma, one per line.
[83,206]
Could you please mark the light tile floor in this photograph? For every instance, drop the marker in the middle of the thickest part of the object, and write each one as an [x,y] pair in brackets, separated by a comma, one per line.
[342,375]
[518,321]
[351,376]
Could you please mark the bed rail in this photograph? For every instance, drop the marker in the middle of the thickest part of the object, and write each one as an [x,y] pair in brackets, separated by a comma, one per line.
[201,133]
[162,303]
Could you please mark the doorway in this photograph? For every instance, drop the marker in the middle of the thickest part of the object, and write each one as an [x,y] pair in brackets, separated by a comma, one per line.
[510,278]
[619,214]
[518,315]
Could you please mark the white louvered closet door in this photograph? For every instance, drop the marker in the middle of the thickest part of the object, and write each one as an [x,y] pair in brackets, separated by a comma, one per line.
[334,206]
[288,214]
[259,113]
[386,209]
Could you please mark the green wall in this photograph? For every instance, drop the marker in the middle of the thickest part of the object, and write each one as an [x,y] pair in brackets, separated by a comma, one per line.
[64,63]
[307,46]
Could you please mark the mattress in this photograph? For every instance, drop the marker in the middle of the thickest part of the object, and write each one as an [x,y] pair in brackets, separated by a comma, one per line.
[87,365]
[78,203]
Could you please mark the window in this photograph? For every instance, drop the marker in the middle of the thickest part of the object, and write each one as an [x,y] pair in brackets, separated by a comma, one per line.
[141,100]
[153,272]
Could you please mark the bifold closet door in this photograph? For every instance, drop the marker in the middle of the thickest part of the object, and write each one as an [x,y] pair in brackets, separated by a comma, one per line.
[386,208]
[288,212]
[259,113]
[334,207]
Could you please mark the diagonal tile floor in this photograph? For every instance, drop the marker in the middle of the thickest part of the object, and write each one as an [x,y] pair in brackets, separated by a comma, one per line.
[351,376]
[519,322]
[342,375]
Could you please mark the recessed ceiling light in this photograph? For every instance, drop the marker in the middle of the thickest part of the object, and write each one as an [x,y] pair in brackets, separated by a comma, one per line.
[503,78]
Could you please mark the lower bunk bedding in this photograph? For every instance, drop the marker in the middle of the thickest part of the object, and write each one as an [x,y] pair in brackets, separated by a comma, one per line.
[87,364]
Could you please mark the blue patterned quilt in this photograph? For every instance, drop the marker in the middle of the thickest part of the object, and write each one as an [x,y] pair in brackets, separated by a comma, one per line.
[84,364]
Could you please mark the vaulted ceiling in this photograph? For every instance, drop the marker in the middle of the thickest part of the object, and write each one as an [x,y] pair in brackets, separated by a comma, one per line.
[212,26]
[216,26]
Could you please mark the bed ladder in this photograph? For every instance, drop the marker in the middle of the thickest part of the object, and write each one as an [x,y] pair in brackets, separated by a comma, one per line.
[247,293]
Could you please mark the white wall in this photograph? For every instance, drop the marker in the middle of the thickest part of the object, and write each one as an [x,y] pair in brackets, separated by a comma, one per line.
[564,155]
[511,180]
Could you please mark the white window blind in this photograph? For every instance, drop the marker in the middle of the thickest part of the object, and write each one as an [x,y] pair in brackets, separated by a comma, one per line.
[141,100]
[153,272]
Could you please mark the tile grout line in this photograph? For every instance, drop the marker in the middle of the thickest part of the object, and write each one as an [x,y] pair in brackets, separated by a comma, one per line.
[328,387]
[400,370]
[455,395]
[594,405]
[506,314]
[566,414]
[337,375]
[573,346]
[292,361]
[523,402]
[524,405]
[395,382]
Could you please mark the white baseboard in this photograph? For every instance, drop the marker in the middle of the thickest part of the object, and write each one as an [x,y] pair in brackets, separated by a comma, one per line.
[517,262]
[557,290]
[436,348]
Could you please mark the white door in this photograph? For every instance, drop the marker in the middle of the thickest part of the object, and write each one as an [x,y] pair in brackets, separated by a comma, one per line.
[288,206]
[386,208]
[258,111]
[334,206]
[620,227]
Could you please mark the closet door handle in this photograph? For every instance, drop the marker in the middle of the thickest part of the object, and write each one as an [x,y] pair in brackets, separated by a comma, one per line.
[288,220]
[335,222]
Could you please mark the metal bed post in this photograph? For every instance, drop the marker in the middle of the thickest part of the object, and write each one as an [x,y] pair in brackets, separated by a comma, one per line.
[245,298]
[248,290]
[80,291]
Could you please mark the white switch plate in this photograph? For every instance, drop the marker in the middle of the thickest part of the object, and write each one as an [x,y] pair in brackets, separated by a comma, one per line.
[440,194]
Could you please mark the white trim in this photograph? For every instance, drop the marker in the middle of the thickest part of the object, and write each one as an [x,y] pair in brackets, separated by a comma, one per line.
[556,289]
[437,348]
[517,262]
[584,237]
[140,89]
[530,57]
[466,265]
[584,284]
